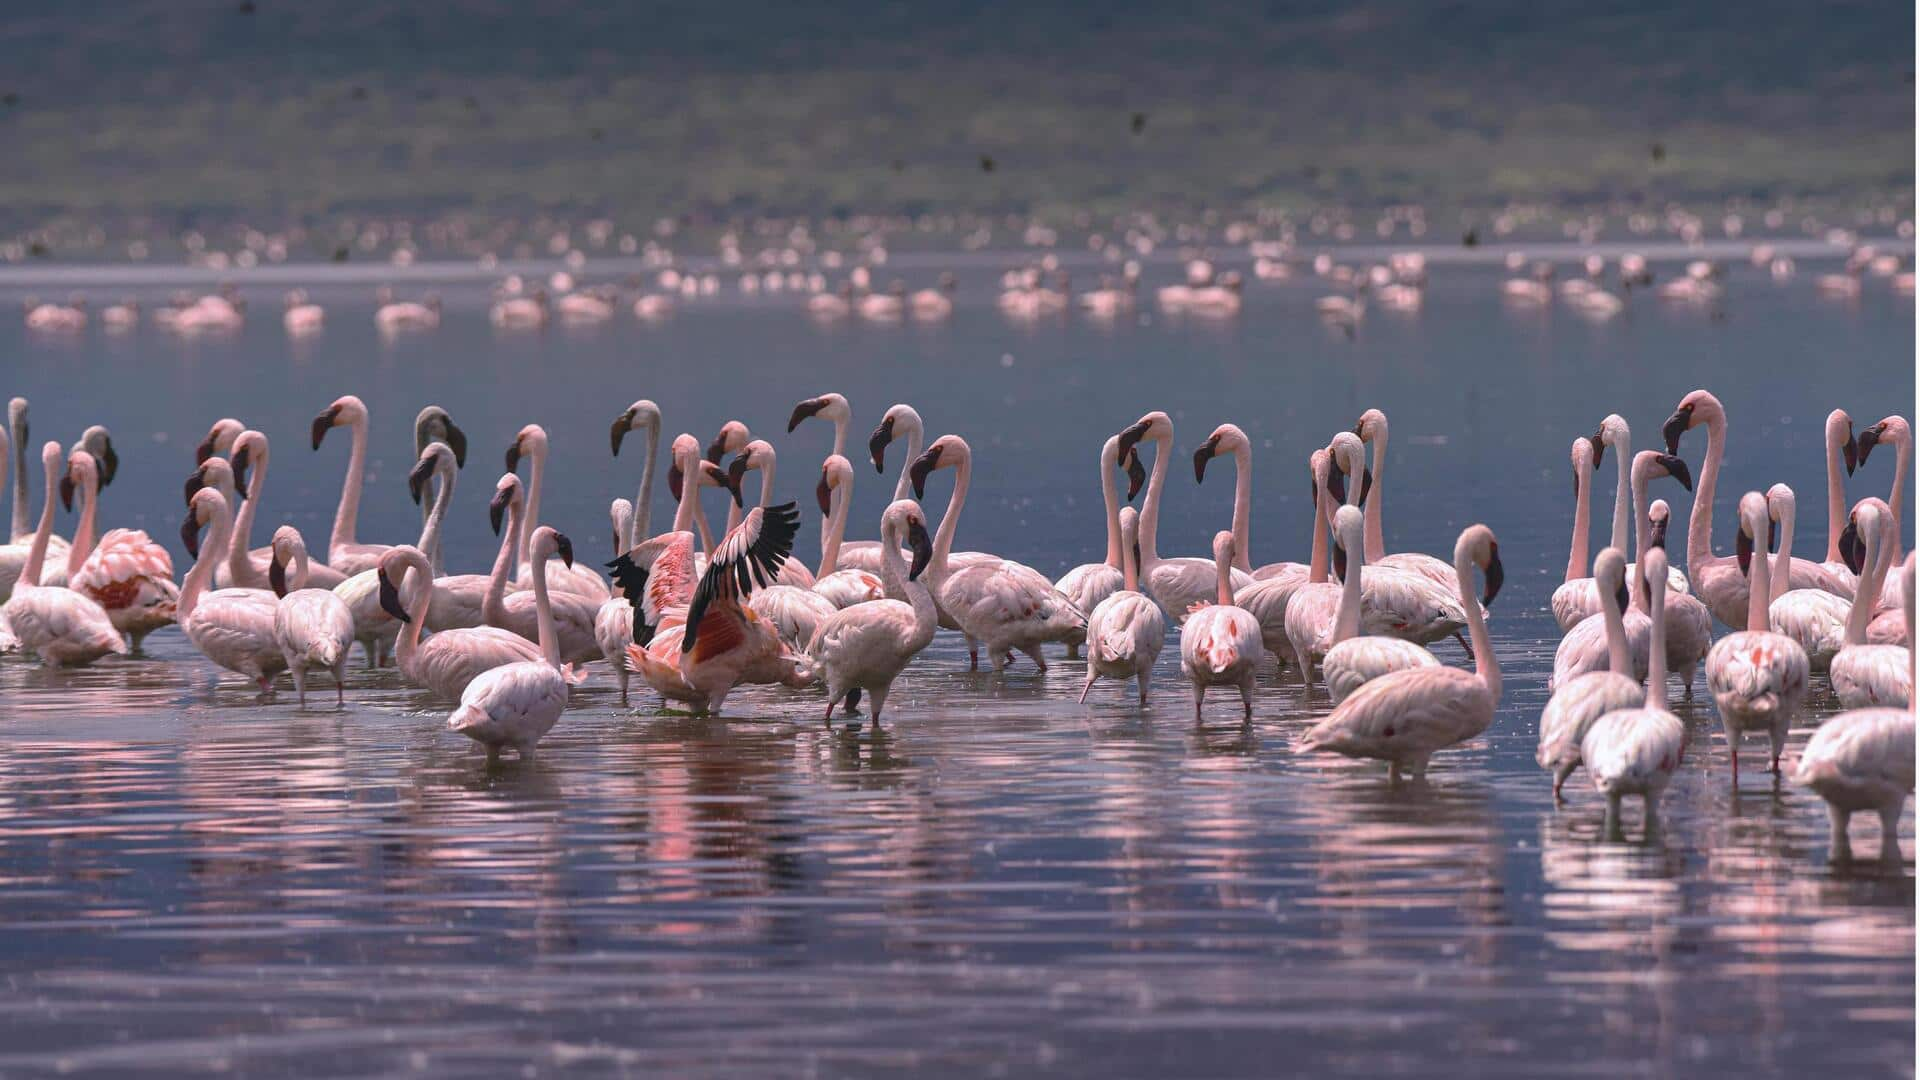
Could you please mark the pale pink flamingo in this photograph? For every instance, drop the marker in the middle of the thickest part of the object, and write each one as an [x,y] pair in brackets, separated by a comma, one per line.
[1268,600]
[865,647]
[531,442]
[312,627]
[1841,447]
[1893,429]
[1405,717]
[432,425]
[1126,631]
[1816,618]
[302,317]
[449,660]
[516,704]
[1636,751]
[1862,760]
[231,627]
[1229,439]
[344,552]
[1584,698]
[841,588]
[936,303]
[759,455]
[220,439]
[1372,431]
[64,627]
[642,415]
[13,556]
[1422,592]
[520,312]
[1220,642]
[1719,581]
[998,603]
[1090,583]
[1866,675]
[1689,625]
[1758,678]
[1175,584]
[127,574]
[1578,595]
[1350,659]
[245,568]
[373,627]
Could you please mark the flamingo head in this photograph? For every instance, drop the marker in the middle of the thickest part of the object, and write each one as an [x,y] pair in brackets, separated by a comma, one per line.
[1695,409]
[434,425]
[641,415]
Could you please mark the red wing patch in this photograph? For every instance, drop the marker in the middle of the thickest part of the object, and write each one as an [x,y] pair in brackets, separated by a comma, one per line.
[720,630]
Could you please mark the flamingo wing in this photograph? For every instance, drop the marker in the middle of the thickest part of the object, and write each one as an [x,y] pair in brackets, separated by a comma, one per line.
[750,557]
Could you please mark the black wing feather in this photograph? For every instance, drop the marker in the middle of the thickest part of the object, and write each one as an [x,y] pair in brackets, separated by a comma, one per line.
[734,573]
[632,580]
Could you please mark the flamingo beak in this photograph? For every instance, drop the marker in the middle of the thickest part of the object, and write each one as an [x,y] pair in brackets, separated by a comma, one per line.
[1136,474]
[321,425]
[109,462]
[1659,536]
[497,509]
[805,410]
[1869,439]
[390,597]
[66,491]
[877,445]
[417,478]
[1850,450]
[823,493]
[1496,575]
[1622,598]
[1676,426]
[564,548]
[1677,468]
[1131,437]
[674,480]
[922,546]
[1599,449]
[205,450]
[923,465]
[190,534]
[1853,551]
[277,576]
[513,455]
[242,461]
[1202,456]
[725,480]
[1743,548]
[621,424]
[1340,561]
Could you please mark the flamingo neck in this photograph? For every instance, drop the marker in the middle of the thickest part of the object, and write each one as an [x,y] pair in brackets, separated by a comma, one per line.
[237,550]
[1622,492]
[1223,581]
[1577,548]
[437,516]
[950,521]
[302,569]
[82,545]
[1758,592]
[840,434]
[18,433]
[543,612]
[1781,574]
[1657,640]
[1866,592]
[42,534]
[536,476]
[419,599]
[493,606]
[1376,533]
[1346,620]
[642,518]
[1150,511]
[1242,506]
[1129,571]
[1836,498]
[1110,495]
[1902,462]
[1700,519]
[834,531]
[346,519]
[1485,664]
[197,579]
[1619,659]
[1317,562]
[903,487]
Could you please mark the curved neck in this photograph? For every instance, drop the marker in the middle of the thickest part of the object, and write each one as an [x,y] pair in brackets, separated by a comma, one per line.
[1619,660]
[1782,563]
[834,529]
[1657,640]
[1223,581]
[1150,512]
[1642,538]
[219,530]
[1759,593]
[1242,505]
[1346,620]
[1577,560]
[1700,520]
[1866,592]
[1485,664]
[1622,493]
[493,605]
[1376,542]
[642,521]
[302,569]
[237,556]
[1902,462]
[950,521]
[437,516]
[1110,495]
[840,435]
[37,554]
[346,519]
[82,545]
[903,487]
[543,612]
[418,599]
[1836,499]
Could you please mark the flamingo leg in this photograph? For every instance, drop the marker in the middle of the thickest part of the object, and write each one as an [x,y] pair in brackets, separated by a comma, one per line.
[1838,849]
[340,684]
[1612,824]
[1199,697]
[1088,686]
[1560,780]
[1039,661]
[879,695]
[1890,837]
[1141,678]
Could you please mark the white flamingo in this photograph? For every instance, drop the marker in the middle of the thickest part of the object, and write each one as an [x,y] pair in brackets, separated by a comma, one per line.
[1866,675]
[865,647]
[1758,678]
[1088,584]
[516,704]
[13,556]
[231,627]
[1578,595]
[1220,641]
[1175,584]
[451,659]
[312,627]
[531,442]
[1816,618]
[900,422]
[1405,717]
[1717,580]
[1841,449]
[1350,659]
[1636,751]
[345,553]
[64,627]
[1629,500]
[373,627]
[1126,630]
[567,616]
[1689,625]
[642,415]
[1584,698]
[1268,599]
[998,603]
[126,573]
[1372,432]
[1862,760]
[1229,439]
[246,568]
[433,425]
[841,588]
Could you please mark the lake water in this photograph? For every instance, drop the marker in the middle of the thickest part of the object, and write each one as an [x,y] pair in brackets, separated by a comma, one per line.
[1001,881]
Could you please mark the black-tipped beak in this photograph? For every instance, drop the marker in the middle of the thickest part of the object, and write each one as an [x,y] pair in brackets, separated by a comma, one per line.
[1869,439]
[922,546]
[717,449]
[923,465]
[513,455]
[66,492]
[675,478]
[877,445]
[621,424]
[190,535]
[1599,449]
[1366,485]
[1339,560]
[457,442]
[194,483]
[725,480]
[1853,551]
[1202,456]
[1743,549]
[823,494]
[736,470]
[1675,427]
[109,462]
[1622,598]
[277,576]
[564,548]
[321,424]
[497,510]
[1131,437]
[1136,474]
[417,478]
[1496,576]
[390,597]
[205,450]
[1677,468]
[805,410]
[1659,535]
[242,461]
[1773,536]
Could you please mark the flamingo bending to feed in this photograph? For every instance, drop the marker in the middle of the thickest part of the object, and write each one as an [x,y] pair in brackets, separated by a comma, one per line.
[516,704]
[1220,642]
[127,574]
[312,627]
[1862,760]
[532,443]
[1758,678]
[1175,584]
[998,603]
[1088,584]
[1126,631]
[1866,675]
[1586,697]
[1349,659]
[867,646]
[1635,751]
[63,626]
[1720,581]
[345,553]
[1405,717]
[231,627]
[1816,618]
[721,642]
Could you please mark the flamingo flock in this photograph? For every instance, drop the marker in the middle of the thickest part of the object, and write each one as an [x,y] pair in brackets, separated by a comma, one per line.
[695,614]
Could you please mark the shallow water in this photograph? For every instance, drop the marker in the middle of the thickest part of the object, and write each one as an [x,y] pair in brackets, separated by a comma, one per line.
[1000,880]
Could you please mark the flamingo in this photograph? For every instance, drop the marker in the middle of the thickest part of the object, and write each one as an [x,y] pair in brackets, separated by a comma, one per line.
[1372,431]
[1862,760]
[1841,446]
[900,422]
[1126,631]
[1719,581]
[1866,675]
[520,312]
[302,317]
[220,439]
[1629,502]
[930,305]
[1088,584]
[65,627]
[642,415]
[345,553]
[531,442]
[1816,618]
[447,662]
[312,627]
[867,646]
[1633,751]
[1268,599]
[841,588]
[1175,584]
[1229,439]
[247,569]
[232,627]
[430,426]
[1584,698]
[51,318]
[585,306]
[1891,626]
[516,704]
[697,652]
[373,627]
[567,617]
[1405,717]
[1896,430]
[1000,603]
[14,555]
[1758,678]
[1579,596]
[1220,642]
[1349,659]
[759,455]
[127,574]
